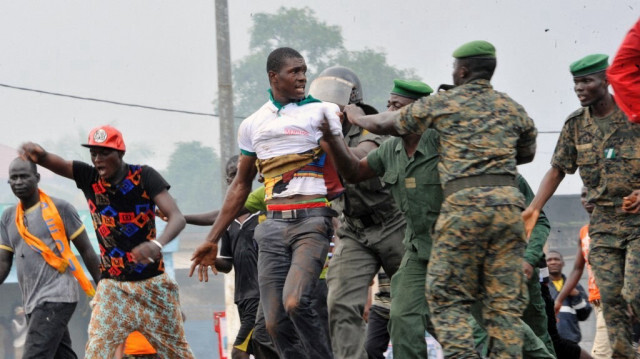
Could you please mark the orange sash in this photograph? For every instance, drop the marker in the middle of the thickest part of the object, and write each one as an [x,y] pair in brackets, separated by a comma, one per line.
[56,228]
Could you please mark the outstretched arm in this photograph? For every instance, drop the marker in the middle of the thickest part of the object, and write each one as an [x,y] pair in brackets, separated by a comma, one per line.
[548,186]
[204,256]
[382,123]
[36,154]
[352,168]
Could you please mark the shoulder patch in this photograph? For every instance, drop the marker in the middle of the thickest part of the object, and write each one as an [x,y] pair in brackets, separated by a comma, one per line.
[577,113]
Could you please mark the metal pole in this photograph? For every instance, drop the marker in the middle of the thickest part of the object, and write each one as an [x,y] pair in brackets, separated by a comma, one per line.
[227,142]
[225,89]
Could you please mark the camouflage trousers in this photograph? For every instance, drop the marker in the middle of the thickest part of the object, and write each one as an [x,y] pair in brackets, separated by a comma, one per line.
[615,259]
[478,256]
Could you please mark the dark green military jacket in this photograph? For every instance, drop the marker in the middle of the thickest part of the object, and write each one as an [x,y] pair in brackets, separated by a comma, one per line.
[414,184]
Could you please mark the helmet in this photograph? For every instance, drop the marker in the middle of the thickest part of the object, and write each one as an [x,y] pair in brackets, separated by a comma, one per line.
[348,75]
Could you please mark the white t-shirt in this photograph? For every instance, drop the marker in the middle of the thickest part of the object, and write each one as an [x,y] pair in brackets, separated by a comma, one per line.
[293,129]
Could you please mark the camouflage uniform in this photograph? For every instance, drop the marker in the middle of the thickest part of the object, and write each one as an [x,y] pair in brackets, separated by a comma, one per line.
[480,237]
[370,234]
[415,185]
[537,342]
[607,151]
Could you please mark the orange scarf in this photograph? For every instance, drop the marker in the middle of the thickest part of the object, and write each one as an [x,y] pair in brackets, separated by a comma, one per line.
[56,228]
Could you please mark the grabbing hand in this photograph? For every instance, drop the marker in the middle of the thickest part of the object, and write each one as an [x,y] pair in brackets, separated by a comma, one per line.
[353,113]
[203,258]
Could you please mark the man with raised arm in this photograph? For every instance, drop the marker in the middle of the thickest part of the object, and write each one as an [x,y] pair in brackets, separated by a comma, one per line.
[284,139]
[134,292]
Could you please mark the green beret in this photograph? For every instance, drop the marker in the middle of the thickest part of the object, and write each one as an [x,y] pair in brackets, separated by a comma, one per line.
[478,48]
[411,89]
[589,64]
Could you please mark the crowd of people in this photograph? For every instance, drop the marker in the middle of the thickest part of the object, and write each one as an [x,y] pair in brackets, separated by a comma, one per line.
[425,196]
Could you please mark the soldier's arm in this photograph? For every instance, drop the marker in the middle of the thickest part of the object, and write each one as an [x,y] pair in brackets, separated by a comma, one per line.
[350,167]
[526,145]
[548,186]
[533,254]
[381,124]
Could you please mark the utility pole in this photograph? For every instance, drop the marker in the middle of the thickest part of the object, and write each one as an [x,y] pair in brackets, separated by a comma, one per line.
[227,144]
[225,88]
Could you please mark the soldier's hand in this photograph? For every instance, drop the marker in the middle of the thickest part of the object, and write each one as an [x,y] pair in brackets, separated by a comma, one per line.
[631,203]
[574,292]
[530,217]
[203,258]
[528,269]
[353,113]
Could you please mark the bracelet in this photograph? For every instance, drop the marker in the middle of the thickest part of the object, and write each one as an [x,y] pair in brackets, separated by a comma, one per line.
[157,243]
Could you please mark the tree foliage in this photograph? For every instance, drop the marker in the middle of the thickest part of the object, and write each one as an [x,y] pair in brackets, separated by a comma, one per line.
[194,175]
[321,44]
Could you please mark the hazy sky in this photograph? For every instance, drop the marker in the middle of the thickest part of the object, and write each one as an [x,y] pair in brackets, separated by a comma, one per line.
[162,53]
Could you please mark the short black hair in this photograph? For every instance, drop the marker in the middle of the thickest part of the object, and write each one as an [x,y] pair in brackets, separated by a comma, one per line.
[32,165]
[278,57]
[558,253]
[480,67]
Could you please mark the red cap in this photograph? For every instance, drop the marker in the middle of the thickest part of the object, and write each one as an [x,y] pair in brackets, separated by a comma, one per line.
[106,136]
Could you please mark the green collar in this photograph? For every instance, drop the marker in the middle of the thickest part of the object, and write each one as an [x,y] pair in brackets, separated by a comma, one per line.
[304,101]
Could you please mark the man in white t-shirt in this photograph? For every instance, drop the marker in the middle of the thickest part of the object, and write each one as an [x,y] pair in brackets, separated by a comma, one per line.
[284,139]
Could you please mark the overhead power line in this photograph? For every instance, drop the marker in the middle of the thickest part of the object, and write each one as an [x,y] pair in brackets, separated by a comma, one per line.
[109,101]
[140,106]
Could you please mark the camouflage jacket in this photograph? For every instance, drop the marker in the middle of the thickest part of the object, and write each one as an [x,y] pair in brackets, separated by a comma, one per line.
[482,131]
[609,162]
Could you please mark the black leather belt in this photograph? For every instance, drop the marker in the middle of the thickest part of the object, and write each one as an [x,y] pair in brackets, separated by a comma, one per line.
[478,181]
[302,213]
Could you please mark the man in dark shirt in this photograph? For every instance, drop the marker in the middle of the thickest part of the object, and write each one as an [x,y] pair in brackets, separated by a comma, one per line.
[134,293]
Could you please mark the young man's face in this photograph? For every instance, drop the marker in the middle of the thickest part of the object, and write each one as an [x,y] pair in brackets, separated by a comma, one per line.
[22,179]
[107,161]
[291,80]
[590,88]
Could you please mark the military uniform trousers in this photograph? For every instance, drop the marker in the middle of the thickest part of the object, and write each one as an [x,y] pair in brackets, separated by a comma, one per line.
[537,343]
[615,260]
[356,260]
[409,315]
[477,256]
